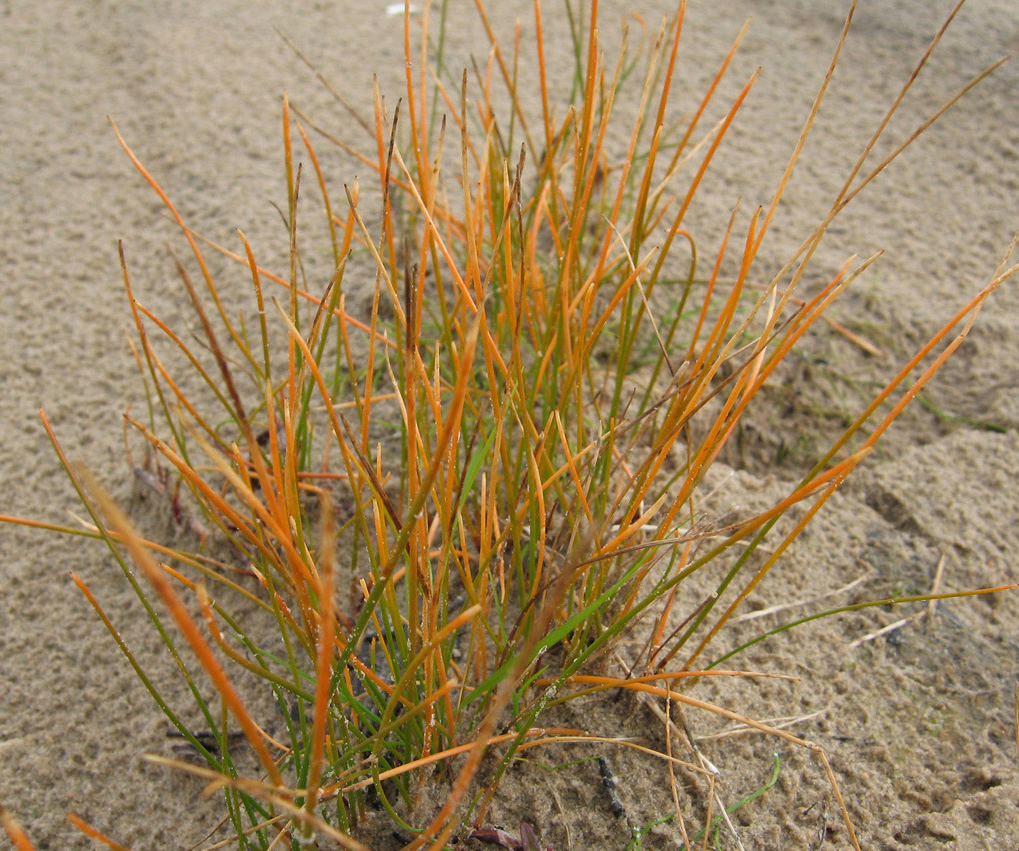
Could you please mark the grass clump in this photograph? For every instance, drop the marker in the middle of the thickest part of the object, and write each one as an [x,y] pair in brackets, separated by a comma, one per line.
[442,514]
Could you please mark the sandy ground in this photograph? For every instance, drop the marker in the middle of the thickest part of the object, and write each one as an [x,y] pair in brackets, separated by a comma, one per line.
[917,723]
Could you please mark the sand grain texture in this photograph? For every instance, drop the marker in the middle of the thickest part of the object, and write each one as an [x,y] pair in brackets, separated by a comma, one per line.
[917,723]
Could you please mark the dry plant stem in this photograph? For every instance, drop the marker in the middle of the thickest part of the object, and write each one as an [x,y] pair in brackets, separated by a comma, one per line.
[278,797]
[894,625]
[255,828]
[206,274]
[782,607]
[764,728]
[932,606]
[845,197]
[1015,706]
[710,812]
[533,738]
[323,662]
[928,612]
[777,723]
[787,174]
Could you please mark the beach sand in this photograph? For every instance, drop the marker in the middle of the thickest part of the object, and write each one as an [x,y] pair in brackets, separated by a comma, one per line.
[917,723]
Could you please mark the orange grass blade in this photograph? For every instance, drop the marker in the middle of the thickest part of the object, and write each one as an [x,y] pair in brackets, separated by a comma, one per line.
[277,279]
[146,682]
[652,155]
[156,364]
[723,128]
[441,827]
[708,95]
[968,310]
[449,428]
[14,831]
[507,77]
[221,505]
[187,626]
[260,302]
[440,243]
[323,656]
[330,219]
[206,274]
[92,833]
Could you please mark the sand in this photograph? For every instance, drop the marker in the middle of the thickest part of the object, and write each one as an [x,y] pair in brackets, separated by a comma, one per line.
[917,723]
